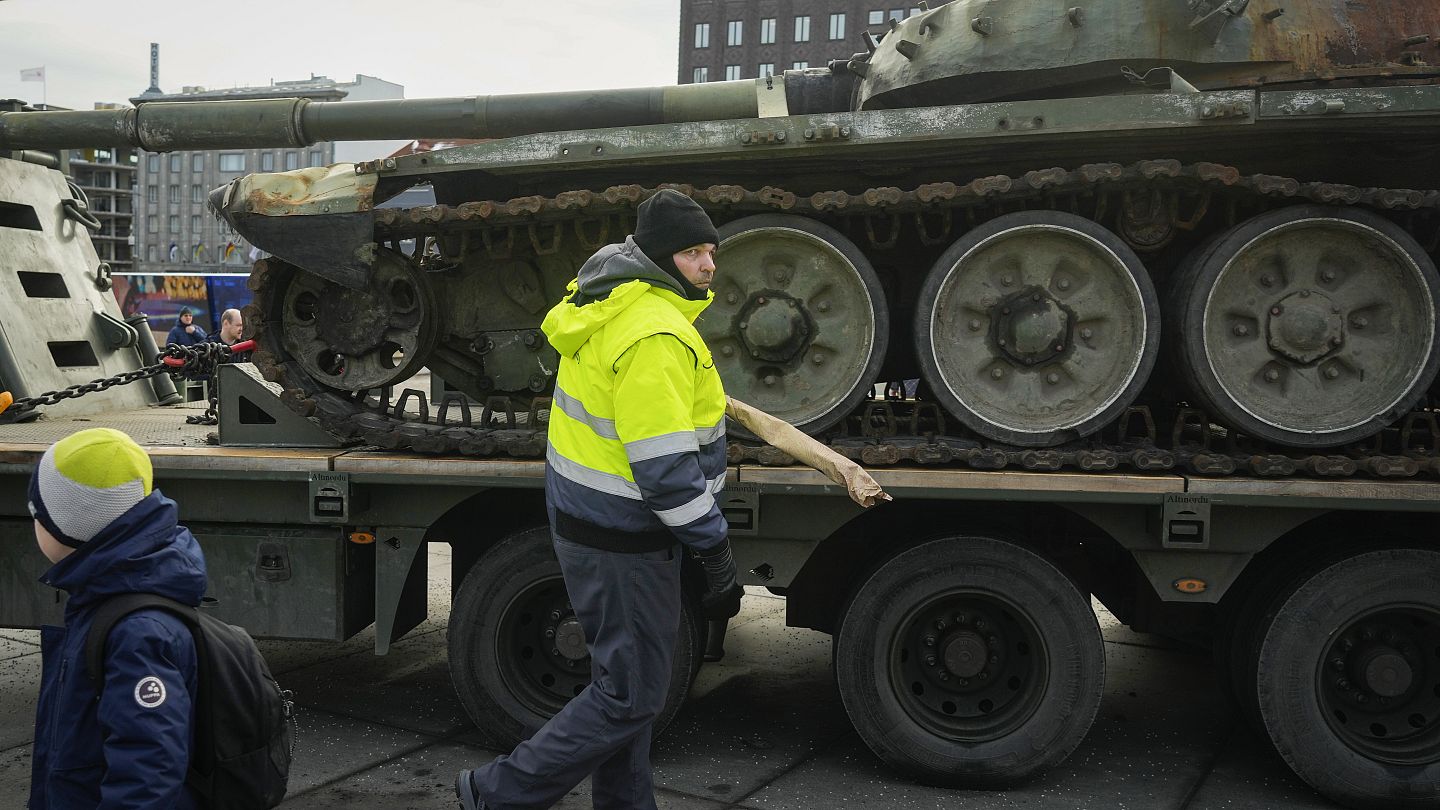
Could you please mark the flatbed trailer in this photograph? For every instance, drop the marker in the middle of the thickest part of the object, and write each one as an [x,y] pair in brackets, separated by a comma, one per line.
[961,611]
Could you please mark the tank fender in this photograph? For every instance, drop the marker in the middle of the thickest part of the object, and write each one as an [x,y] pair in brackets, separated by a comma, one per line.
[320,219]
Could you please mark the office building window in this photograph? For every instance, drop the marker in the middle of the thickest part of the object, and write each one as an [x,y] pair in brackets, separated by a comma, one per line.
[837,26]
[766,69]
[897,13]
[197,162]
[292,161]
[914,10]
[195,225]
[767,31]
[152,224]
[877,18]
[174,223]
[800,66]
[317,158]
[150,252]
[173,194]
[152,163]
[232,162]
[732,72]
[702,35]
[175,162]
[735,33]
[267,161]
[702,75]
[197,194]
[152,194]
[802,29]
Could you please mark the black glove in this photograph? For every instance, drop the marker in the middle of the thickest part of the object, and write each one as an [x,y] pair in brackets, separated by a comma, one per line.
[722,592]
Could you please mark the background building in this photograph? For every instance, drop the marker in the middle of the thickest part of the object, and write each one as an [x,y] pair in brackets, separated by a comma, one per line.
[722,40]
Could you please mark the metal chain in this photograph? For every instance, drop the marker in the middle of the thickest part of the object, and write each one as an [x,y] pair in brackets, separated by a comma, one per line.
[26,404]
[198,360]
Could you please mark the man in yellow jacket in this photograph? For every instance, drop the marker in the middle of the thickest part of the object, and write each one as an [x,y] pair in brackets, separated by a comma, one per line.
[636,454]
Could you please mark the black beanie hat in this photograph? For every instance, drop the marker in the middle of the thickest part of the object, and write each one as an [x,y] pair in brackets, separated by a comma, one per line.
[668,223]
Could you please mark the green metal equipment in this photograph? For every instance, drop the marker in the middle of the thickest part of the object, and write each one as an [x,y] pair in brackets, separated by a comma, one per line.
[1165,270]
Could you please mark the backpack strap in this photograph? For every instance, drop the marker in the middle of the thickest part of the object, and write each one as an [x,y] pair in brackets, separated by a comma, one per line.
[111,611]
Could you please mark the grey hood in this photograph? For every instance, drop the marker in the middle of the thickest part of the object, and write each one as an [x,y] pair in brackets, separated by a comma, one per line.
[614,265]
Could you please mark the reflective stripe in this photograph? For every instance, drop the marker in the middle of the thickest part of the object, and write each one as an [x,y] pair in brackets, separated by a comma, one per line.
[663,445]
[717,483]
[685,513]
[710,434]
[604,482]
[575,409]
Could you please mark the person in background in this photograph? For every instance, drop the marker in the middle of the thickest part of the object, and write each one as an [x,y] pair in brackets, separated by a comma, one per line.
[232,330]
[186,332]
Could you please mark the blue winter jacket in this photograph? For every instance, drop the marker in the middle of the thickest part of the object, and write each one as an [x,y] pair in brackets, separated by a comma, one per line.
[131,748]
[180,337]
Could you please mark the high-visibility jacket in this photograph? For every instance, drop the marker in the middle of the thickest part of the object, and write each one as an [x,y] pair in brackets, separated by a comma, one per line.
[637,430]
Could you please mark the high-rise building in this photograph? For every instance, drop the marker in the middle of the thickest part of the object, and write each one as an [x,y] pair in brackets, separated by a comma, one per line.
[723,40]
[174,229]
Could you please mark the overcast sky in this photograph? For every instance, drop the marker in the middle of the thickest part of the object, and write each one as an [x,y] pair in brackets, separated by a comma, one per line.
[99,50]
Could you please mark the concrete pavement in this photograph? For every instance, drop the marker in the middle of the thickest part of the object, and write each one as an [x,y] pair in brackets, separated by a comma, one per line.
[763,730]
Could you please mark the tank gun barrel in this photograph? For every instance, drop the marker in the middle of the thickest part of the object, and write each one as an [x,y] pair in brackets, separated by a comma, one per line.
[163,126]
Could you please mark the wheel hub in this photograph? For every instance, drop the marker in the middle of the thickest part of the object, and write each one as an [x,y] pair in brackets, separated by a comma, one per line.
[1386,673]
[966,654]
[351,319]
[1031,327]
[774,328]
[1378,689]
[356,340]
[570,640]
[1306,326]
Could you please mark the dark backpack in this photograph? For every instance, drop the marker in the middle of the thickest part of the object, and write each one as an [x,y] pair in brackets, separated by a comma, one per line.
[243,734]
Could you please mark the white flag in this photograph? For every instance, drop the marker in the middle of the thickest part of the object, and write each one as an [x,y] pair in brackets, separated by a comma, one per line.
[32,74]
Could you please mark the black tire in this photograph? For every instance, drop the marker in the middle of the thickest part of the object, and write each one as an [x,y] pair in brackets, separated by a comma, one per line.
[502,689]
[1247,614]
[1349,680]
[930,311]
[1007,609]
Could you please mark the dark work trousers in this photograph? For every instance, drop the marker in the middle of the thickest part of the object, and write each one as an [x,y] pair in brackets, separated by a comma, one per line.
[629,606]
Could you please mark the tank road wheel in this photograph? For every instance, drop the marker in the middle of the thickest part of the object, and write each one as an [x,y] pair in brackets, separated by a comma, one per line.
[1037,328]
[970,660]
[1309,326]
[359,339]
[1349,680]
[517,651]
[799,325]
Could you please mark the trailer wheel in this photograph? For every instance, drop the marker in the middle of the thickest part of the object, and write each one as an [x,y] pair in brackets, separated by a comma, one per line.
[970,660]
[517,653]
[1348,680]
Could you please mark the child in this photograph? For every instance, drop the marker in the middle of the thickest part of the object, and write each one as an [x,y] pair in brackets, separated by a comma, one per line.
[108,532]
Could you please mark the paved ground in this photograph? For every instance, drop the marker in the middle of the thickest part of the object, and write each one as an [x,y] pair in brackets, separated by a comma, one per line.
[765,729]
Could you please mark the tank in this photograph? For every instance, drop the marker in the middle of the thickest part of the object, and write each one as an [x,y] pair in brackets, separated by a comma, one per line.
[1131,233]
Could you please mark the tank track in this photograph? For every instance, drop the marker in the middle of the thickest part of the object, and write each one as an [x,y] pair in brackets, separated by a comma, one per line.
[883,433]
